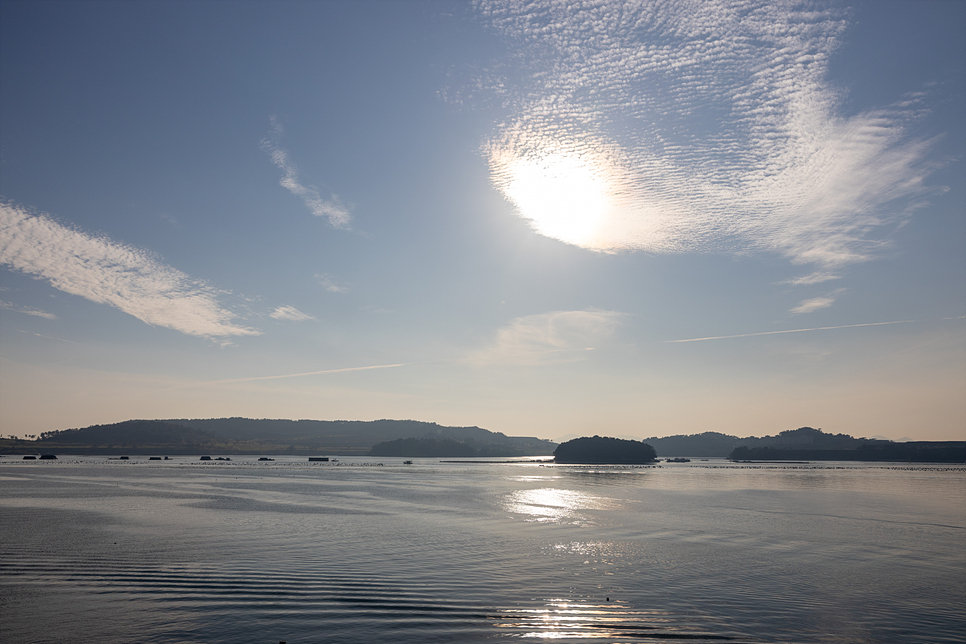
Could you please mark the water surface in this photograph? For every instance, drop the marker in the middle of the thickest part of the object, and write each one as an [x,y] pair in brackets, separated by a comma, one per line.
[372,550]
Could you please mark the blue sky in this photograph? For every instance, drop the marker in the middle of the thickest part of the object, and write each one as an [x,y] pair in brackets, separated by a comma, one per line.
[542,218]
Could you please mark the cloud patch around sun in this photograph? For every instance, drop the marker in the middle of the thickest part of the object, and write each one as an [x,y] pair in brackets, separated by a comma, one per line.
[682,127]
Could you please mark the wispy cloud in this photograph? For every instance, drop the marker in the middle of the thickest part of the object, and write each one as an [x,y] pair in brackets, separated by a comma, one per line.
[812,278]
[290,313]
[558,336]
[107,272]
[306,373]
[332,208]
[703,125]
[27,310]
[48,337]
[329,284]
[818,328]
[816,303]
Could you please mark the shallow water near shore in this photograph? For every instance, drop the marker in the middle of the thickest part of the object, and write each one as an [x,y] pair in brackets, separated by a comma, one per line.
[373,550]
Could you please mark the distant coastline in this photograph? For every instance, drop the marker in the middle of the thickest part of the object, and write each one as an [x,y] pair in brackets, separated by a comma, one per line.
[913,452]
[247,436]
[409,438]
[807,444]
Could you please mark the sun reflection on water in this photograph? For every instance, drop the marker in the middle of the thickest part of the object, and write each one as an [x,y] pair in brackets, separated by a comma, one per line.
[550,505]
[563,619]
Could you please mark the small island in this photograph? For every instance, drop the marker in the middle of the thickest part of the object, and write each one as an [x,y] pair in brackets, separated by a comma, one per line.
[604,450]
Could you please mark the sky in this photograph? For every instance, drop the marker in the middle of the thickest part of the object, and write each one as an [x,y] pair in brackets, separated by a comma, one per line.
[542,218]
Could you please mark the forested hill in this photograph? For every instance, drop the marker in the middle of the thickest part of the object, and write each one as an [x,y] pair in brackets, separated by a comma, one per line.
[708,444]
[714,444]
[247,435]
[359,436]
[140,431]
[808,444]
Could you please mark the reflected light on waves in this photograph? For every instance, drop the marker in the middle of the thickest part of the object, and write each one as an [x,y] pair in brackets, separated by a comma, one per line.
[569,620]
[549,505]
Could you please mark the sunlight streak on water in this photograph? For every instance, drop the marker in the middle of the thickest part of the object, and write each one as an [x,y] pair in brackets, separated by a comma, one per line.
[563,619]
[554,505]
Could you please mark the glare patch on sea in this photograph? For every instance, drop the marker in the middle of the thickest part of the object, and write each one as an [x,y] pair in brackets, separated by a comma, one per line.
[551,505]
[565,619]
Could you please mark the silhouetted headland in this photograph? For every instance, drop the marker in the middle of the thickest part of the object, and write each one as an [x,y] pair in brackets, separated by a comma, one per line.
[912,452]
[266,436]
[807,444]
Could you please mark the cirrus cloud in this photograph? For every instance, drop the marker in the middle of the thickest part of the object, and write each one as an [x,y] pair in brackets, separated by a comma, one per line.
[27,310]
[332,209]
[130,279]
[711,125]
[330,285]
[817,303]
[290,313]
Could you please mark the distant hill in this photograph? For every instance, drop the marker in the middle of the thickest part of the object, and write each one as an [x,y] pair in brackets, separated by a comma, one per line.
[714,444]
[267,436]
[911,452]
[130,436]
[708,444]
[357,436]
[145,431]
[433,447]
[808,438]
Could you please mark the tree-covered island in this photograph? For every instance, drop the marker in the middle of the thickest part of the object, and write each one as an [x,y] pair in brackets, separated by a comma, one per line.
[604,450]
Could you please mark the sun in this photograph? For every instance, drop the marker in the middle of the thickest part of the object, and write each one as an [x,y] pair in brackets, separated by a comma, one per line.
[564,195]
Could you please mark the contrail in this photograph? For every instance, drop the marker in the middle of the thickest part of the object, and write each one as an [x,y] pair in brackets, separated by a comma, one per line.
[818,328]
[307,373]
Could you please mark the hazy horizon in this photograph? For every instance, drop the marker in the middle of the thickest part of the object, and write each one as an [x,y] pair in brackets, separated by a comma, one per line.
[539,218]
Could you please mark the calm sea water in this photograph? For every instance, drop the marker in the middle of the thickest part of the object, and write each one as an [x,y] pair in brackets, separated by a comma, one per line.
[103,551]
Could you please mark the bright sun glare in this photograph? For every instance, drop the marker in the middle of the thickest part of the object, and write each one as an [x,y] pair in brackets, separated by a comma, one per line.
[563,195]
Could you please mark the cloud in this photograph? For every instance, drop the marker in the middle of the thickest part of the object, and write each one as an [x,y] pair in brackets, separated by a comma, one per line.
[816,303]
[558,336]
[695,126]
[104,271]
[290,313]
[330,285]
[818,328]
[332,208]
[813,278]
[307,373]
[27,310]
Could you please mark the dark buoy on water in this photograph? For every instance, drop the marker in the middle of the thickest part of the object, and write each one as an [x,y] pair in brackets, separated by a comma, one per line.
[608,599]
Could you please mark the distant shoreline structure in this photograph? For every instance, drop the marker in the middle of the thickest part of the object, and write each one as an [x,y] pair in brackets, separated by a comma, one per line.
[911,452]
[418,439]
[247,436]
